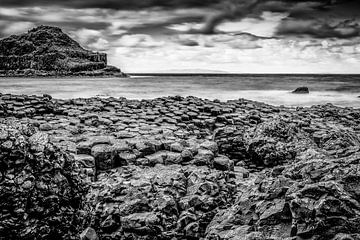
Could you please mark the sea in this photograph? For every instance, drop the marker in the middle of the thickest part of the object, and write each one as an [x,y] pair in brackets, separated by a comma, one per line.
[340,90]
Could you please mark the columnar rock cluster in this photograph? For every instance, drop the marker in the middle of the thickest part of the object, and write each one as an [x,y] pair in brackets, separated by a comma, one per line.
[190,168]
[21,106]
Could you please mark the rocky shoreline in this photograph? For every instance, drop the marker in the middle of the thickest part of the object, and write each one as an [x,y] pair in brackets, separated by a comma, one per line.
[177,168]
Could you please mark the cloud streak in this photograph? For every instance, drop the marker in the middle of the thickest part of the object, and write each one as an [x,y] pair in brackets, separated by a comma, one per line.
[343,29]
[110,4]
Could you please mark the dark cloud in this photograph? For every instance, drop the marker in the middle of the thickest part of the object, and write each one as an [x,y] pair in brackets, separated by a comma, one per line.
[113,4]
[239,9]
[232,10]
[188,42]
[126,4]
[331,19]
[344,29]
[312,17]
[160,28]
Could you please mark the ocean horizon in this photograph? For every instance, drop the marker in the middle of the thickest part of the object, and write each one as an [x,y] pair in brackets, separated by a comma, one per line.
[275,89]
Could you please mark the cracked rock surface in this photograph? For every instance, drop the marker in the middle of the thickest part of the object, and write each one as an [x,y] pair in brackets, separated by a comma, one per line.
[40,189]
[177,168]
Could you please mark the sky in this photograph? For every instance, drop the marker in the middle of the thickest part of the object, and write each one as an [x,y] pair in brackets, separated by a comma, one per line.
[228,36]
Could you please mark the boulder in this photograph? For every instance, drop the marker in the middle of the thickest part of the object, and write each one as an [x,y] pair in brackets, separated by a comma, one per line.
[45,127]
[301,90]
[204,157]
[223,163]
[89,234]
[276,141]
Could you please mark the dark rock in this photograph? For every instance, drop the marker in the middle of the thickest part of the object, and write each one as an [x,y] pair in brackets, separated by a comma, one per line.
[301,90]
[84,147]
[156,202]
[204,157]
[40,188]
[87,166]
[274,142]
[104,156]
[231,142]
[296,170]
[308,199]
[223,163]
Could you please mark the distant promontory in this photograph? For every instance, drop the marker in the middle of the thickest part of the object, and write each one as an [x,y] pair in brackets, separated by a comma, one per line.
[48,51]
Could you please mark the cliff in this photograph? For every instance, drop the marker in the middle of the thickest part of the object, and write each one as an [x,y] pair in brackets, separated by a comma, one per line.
[48,51]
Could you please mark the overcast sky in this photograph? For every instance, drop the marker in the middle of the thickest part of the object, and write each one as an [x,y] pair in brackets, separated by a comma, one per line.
[238,36]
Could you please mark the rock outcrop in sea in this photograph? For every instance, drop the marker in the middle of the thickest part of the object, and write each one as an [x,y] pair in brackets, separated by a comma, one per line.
[301,90]
[48,51]
[177,168]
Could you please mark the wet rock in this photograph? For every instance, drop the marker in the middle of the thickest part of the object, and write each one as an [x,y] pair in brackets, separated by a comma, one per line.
[87,166]
[295,175]
[301,90]
[156,201]
[89,234]
[337,142]
[187,155]
[176,147]
[40,188]
[104,156]
[223,163]
[309,199]
[45,127]
[231,142]
[157,158]
[173,158]
[209,145]
[145,223]
[276,141]
[84,147]
[204,157]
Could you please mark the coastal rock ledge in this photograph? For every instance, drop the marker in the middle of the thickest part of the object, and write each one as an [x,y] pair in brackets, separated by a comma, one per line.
[48,51]
[176,168]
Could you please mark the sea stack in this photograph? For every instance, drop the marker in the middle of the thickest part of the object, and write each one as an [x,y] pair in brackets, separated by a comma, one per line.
[301,90]
[48,51]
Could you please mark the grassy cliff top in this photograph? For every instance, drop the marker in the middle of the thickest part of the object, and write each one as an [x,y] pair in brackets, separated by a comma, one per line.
[38,41]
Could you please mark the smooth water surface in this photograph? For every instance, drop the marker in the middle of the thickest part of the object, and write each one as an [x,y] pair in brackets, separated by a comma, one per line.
[341,90]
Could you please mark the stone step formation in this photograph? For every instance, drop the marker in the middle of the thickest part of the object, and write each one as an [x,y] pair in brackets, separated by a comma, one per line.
[177,168]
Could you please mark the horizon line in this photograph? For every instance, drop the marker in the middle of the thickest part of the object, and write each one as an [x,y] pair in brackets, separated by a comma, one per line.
[229,74]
